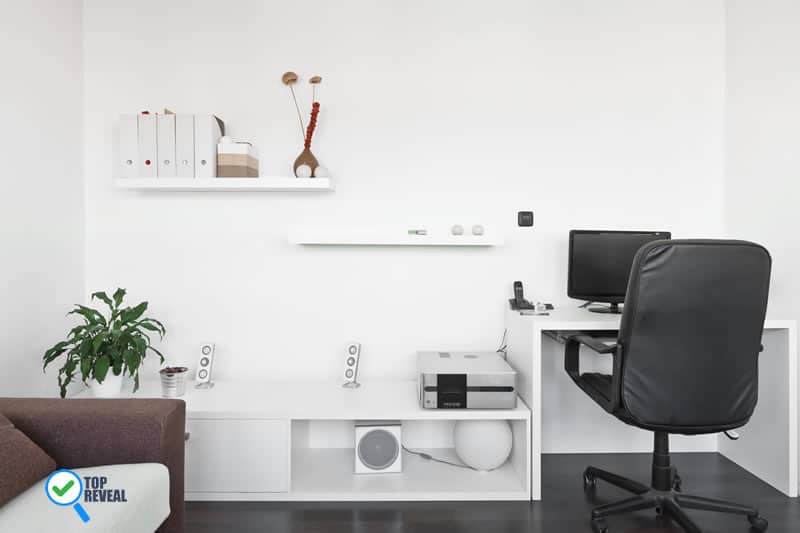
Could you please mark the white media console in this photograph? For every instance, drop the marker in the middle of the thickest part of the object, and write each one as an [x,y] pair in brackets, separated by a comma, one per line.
[294,441]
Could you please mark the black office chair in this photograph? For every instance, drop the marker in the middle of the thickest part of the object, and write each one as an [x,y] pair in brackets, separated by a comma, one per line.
[685,361]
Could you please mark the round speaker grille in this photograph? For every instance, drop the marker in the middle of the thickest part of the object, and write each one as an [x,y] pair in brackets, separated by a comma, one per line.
[378,449]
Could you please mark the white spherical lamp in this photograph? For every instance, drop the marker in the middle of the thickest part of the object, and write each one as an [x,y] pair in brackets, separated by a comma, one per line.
[483,444]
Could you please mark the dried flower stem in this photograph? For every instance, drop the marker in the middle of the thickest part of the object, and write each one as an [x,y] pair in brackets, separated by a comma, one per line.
[297,107]
[314,81]
[312,124]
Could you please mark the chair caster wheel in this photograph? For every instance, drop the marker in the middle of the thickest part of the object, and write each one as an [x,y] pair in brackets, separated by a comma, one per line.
[599,526]
[589,482]
[677,484]
[758,523]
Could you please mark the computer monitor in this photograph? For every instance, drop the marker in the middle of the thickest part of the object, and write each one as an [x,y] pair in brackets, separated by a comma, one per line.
[600,264]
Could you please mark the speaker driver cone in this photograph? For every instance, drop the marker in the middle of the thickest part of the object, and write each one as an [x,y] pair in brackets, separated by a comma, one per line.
[378,449]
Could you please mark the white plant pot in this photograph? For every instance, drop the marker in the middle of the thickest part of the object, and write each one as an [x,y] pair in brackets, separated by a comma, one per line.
[111,387]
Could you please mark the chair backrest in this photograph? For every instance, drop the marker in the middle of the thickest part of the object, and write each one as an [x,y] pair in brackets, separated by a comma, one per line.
[691,334]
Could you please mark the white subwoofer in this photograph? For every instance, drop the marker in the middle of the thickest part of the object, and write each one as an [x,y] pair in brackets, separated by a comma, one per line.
[378,448]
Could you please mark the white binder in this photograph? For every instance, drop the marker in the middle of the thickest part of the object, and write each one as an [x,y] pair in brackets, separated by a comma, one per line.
[207,131]
[184,145]
[166,145]
[148,147]
[128,146]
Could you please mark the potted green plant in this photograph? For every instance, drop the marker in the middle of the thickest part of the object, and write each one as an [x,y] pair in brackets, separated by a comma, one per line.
[106,346]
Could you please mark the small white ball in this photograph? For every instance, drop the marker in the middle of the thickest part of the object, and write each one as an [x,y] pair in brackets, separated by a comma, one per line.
[457,229]
[303,171]
[477,229]
[483,444]
[321,172]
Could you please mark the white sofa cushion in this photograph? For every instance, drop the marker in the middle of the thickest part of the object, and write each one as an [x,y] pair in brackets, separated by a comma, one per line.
[146,488]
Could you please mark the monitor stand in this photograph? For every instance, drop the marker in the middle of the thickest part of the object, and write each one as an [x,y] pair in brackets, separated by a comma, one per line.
[613,309]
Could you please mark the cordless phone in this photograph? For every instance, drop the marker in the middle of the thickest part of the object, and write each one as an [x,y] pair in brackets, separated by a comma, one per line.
[518,301]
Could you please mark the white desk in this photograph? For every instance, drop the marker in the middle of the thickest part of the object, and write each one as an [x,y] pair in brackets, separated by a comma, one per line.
[768,446]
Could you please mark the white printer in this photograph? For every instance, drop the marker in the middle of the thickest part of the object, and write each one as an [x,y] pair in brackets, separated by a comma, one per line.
[465,380]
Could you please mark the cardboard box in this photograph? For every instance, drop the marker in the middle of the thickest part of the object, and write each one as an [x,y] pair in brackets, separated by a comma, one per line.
[237,166]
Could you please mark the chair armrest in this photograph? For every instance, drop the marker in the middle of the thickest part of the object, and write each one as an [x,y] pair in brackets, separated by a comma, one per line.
[572,351]
[94,432]
[595,344]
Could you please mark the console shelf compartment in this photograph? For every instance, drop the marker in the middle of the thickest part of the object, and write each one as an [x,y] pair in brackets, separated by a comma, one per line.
[326,474]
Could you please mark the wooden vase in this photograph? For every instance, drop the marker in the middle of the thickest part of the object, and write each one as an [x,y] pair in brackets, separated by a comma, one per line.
[306,158]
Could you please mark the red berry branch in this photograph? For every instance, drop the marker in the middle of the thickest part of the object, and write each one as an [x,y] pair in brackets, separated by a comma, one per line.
[312,124]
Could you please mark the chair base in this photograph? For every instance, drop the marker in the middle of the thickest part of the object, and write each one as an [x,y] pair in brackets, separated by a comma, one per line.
[665,496]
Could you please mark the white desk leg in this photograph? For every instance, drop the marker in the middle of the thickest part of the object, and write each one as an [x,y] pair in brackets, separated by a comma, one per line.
[536,417]
[768,445]
[525,355]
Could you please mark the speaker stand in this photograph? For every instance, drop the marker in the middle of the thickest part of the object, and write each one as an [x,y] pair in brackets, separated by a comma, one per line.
[206,385]
[351,385]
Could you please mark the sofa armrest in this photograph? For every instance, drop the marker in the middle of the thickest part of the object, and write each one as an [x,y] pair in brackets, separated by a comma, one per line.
[95,432]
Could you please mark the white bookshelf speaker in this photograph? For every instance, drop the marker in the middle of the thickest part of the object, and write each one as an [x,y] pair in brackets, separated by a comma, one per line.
[204,365]
[351,358]
[379,448]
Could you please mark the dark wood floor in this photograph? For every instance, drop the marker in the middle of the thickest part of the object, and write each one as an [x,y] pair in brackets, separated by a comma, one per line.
[565,507]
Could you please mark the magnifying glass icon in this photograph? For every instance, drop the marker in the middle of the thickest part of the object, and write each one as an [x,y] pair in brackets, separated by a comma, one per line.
[65,488]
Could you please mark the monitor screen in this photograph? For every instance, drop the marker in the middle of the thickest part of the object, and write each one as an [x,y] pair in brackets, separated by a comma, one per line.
[600,262]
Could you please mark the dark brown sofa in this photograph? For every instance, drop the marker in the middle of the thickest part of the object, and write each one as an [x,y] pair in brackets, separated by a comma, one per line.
[95,432]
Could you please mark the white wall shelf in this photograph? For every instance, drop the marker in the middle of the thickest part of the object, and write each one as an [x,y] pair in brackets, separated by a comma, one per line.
[227,184]
[327,237]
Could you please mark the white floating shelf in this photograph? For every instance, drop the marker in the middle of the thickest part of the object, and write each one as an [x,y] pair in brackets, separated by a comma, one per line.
[328,237]
[227,184]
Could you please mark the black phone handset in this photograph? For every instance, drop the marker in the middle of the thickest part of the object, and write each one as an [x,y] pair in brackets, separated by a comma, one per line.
[519,294]
[518,301]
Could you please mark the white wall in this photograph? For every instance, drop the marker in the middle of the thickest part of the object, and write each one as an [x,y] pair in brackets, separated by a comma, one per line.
[592,114]
[41,205]
[762,194]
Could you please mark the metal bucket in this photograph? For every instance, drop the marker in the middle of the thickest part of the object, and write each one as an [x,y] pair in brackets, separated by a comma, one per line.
[173,381]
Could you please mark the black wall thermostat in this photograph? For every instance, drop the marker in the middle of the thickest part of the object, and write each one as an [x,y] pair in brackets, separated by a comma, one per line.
[525,218]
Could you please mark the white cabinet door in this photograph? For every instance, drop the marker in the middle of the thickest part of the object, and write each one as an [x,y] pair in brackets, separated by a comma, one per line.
[237,456]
